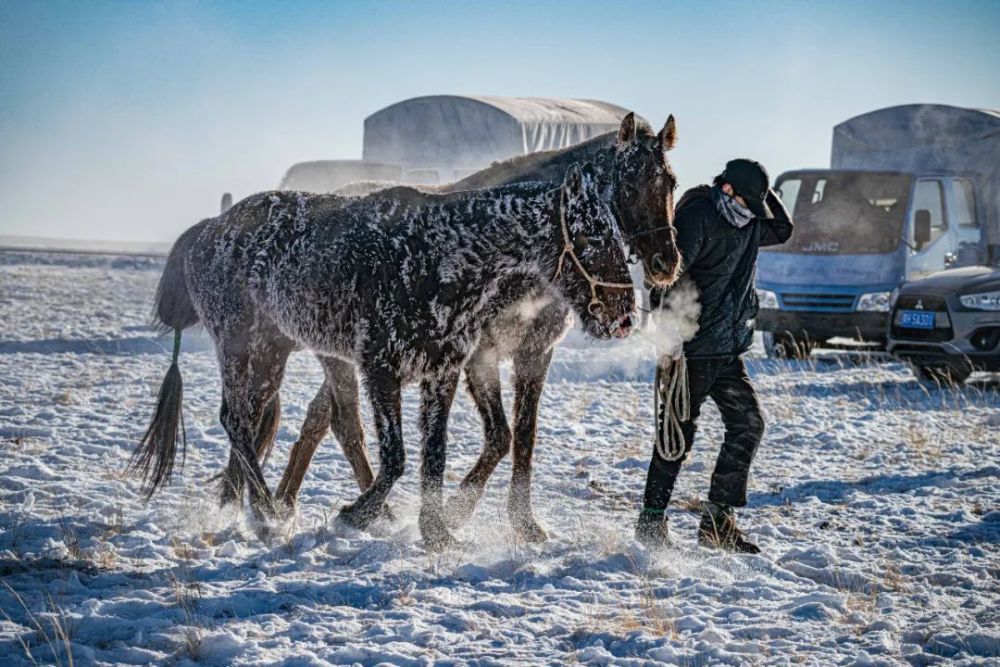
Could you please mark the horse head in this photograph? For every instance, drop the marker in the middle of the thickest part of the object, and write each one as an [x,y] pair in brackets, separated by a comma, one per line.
[644,187]
[592,271]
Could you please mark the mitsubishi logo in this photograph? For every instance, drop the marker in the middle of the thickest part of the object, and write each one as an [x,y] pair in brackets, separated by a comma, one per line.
[920,304]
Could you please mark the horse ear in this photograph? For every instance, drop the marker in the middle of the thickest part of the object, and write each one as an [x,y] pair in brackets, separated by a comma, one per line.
[668,135]
[573,181]
[626,132]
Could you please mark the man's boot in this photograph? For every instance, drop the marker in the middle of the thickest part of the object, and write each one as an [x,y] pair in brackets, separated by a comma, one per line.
[652,529]
[718,530]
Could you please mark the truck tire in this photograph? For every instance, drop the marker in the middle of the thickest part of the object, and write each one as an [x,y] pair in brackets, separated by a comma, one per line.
[944,374]
[786,346]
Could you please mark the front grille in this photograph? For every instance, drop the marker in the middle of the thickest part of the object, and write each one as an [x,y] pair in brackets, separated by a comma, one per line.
[942,330]
[836,303]
[936,304]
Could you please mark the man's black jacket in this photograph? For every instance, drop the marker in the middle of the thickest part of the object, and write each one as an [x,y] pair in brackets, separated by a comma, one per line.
[722,261]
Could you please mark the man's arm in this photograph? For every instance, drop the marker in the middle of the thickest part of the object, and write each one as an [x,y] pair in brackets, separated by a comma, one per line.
[690,236]
[776,230]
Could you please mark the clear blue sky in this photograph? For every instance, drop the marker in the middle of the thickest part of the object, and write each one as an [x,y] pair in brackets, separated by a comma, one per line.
[126,120]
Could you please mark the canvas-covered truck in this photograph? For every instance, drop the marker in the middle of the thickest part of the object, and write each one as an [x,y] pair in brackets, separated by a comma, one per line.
[439,139]
[443,138]
[911,190]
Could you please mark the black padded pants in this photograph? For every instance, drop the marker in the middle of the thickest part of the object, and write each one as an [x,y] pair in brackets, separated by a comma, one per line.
[725,380]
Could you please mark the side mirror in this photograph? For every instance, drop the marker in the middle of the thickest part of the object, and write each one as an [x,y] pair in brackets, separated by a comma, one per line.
[922,227]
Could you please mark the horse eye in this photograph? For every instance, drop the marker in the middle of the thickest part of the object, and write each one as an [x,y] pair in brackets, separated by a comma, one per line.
[580,243]
[596,241]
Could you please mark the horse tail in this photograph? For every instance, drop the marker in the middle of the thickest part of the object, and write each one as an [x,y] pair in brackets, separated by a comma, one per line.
[153,459]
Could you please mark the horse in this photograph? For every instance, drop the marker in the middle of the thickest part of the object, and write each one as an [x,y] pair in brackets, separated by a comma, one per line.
[636,179]
[398,284]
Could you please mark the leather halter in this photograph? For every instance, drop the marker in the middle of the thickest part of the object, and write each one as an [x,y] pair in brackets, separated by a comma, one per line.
[596,306]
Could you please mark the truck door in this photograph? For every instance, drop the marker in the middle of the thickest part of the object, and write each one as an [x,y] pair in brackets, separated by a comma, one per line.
[928,194]
[961,205]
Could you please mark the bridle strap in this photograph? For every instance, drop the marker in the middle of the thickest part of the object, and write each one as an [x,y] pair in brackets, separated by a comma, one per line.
[568,249]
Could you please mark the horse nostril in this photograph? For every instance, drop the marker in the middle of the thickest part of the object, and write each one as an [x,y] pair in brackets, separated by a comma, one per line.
[626,322]
[659,264]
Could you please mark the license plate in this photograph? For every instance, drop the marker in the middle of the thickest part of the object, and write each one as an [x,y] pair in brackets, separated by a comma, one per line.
[917,319]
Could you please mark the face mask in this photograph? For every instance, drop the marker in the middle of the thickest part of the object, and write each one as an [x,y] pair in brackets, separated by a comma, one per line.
[736,214]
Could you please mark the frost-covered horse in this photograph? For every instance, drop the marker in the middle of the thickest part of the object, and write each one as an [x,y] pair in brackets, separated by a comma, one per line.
[400,284]
[635,178]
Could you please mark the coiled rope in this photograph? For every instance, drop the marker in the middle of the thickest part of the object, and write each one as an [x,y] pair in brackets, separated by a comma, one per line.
[673,390]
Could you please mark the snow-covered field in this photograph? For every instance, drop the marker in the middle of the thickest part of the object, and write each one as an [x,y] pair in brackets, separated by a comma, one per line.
[875,499]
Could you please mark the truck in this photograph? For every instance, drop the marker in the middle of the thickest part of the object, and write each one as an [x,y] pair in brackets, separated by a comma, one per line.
[439,139]
[911,190]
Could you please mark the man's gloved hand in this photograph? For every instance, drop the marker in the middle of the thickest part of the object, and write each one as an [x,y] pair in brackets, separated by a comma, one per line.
[776,206]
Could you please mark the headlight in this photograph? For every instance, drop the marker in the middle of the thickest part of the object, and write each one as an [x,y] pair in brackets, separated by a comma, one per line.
[767,299]
[981,301]
[874,302]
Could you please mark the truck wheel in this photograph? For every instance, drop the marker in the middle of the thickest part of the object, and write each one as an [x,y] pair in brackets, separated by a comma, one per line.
[944,374]
[785,346]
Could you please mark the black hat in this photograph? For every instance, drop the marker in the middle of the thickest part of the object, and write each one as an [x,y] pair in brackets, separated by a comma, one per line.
[750,181]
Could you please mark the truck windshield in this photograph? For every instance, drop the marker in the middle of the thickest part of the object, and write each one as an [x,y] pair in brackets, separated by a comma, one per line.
[843,213]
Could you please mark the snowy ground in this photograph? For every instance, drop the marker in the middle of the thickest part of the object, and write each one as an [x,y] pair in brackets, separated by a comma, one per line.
[875,499]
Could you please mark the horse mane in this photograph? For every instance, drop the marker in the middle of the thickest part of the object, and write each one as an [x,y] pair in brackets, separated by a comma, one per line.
[534,166]
[531,167]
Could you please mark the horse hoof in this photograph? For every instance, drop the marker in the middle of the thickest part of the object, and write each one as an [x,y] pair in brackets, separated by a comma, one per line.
[386,514]
[459,508]
[528,530]
[354,518]
[228,496]
[435,534]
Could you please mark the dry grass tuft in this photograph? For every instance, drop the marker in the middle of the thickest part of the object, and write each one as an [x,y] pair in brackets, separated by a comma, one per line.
[58,637]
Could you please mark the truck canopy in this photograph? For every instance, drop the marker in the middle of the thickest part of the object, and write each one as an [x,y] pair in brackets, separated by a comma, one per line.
[929,139]
[471,132]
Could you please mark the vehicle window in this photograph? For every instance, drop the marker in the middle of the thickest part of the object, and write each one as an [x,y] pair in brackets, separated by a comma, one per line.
[928,195]
[819,190]
[965,203]
[788,191]
[849,212]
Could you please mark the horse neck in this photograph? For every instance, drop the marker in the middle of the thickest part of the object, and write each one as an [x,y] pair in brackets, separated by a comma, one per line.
[514,228]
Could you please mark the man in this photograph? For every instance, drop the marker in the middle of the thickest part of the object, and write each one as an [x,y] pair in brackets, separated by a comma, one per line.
[719,230]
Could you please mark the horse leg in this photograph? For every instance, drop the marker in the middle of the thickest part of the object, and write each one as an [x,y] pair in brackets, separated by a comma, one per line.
[384,392]
[268,430]
[437,394]
[251,379]
[345,419]
[314,429]
[337,405]
[483,377]
[529,378]
[232,478]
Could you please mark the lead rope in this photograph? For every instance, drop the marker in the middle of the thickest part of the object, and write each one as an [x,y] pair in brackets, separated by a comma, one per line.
[673,389]
[596,306]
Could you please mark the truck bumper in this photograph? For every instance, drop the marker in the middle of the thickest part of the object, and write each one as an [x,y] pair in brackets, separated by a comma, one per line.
[823,326]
